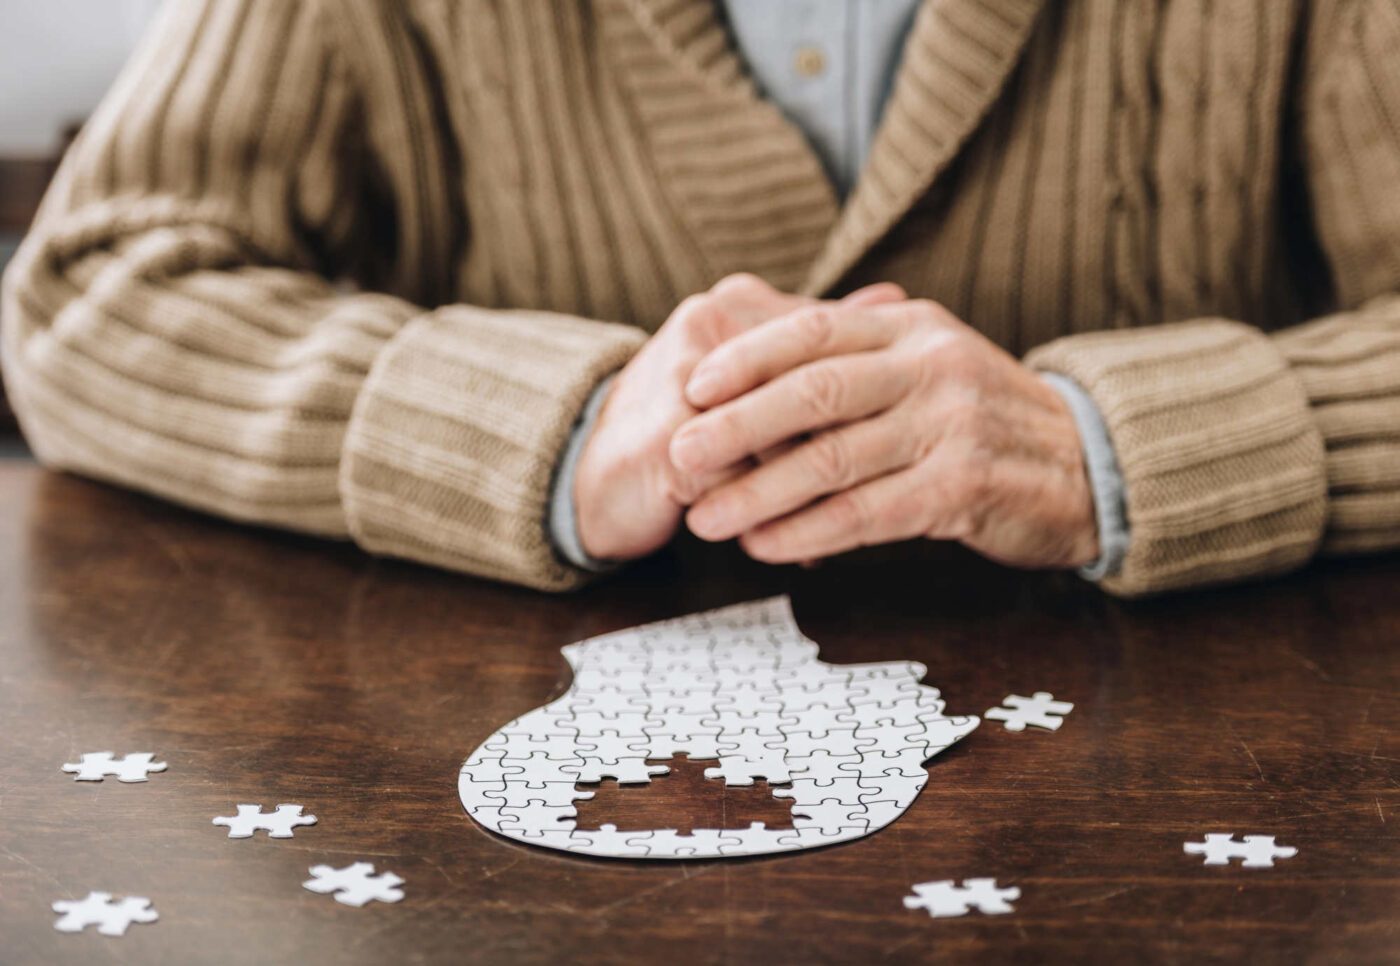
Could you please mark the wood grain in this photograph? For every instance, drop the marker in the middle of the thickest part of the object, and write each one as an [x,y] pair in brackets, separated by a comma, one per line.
[268,668]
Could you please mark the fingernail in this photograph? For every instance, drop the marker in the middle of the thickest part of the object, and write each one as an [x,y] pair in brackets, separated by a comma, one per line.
[688,450]
[703,385]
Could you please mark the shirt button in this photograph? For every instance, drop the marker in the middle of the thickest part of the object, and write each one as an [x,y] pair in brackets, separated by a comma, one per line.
[810,61]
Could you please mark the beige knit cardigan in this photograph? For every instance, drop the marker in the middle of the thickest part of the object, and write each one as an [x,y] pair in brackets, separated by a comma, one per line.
[352,267]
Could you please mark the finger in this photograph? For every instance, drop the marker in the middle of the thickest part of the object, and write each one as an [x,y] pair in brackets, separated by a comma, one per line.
[686,488]
[829,463]
[782,344]
[876,294]
[809,398]
[882,510]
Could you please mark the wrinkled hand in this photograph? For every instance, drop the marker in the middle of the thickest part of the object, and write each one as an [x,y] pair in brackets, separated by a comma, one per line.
[919,426]
[628,496]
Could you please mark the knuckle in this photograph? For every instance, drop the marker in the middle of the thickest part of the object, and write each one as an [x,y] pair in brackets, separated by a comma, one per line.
[900,517]
[740,284]
[690,309]
[930,313]
[850,512]
[699,319]
[815,327]
[936,359]
[965,355]
[965,419]
[730,429]
[822,389]
[742,498]
[680,487]
[830,459]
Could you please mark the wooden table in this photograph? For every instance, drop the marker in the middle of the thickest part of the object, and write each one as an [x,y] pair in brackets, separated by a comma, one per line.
[269,668]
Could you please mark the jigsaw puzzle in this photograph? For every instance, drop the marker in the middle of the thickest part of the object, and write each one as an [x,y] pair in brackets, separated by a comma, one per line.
[96,765]
[945,898]
[740,685]
[1040,710]
[278,823]
[1257,851]
[355,884]
[98,909]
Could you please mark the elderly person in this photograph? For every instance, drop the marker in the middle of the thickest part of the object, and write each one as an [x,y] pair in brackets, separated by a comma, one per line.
[521,287]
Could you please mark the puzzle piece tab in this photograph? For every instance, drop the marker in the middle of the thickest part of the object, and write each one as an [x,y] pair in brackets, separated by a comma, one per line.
[98,909]
[356,884]
[944,898]
[278,824]
[96,765]
[1040,710]
[737,770]
[1257,851]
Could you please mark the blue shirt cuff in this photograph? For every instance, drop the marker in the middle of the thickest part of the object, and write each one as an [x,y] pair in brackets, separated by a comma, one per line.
[562,523]
[1105,478]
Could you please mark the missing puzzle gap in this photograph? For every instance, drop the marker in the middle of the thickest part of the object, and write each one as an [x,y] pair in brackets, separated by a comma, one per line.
[683,799]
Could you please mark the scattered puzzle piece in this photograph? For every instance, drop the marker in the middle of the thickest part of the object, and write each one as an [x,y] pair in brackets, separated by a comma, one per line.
[1257,851]
[98,909]
[356,884]
[740,686]
[96,765]
[278,824]
[944,898]
[1040,710]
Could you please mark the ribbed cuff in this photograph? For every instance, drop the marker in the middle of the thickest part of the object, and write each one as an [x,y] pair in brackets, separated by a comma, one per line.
[452,444]
[1221,458]
[1349,365]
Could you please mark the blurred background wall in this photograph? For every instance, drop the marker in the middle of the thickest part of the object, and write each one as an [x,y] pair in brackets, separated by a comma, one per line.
[57,57]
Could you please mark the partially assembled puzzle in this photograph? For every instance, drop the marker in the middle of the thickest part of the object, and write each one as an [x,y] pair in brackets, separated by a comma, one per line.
[740,685]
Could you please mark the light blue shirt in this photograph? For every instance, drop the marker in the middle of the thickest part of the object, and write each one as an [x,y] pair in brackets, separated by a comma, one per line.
[828,65]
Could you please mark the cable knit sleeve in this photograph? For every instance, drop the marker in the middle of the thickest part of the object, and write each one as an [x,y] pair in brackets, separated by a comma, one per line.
[170,324]
[1244,453]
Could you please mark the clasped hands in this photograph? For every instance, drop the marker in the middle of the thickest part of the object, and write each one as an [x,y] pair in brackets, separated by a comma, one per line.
[806,428]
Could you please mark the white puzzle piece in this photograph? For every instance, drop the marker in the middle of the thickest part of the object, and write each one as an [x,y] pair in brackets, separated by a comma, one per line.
[98,909]
[945,898]
[740,686]
[355,884]
[1258,851]
[96,765]
[1040,710]
[278,823]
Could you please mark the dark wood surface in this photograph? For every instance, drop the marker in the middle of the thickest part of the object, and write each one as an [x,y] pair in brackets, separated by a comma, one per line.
[270,668]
